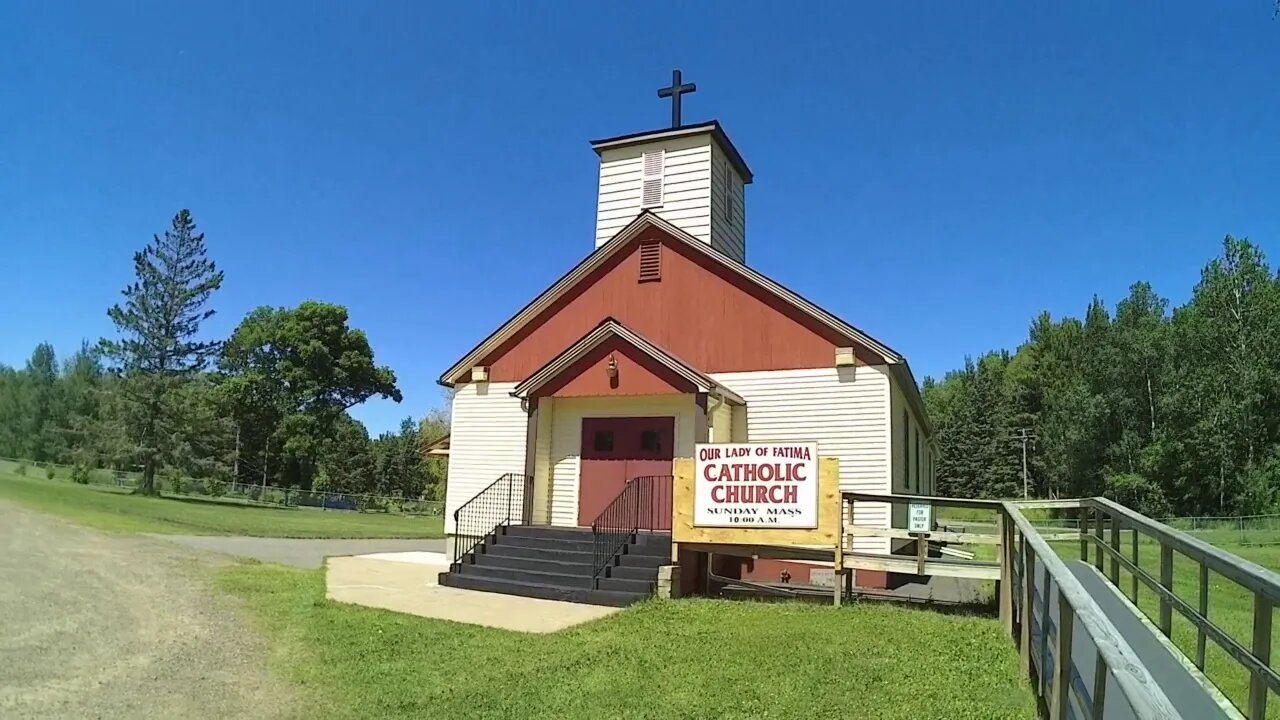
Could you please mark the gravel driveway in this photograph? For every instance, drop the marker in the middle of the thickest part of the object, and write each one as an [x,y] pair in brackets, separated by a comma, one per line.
[103,626]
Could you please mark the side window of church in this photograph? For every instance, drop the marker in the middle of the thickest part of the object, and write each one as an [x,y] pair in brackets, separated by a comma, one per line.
[906,450]
[603,440]
[916,432]
[731,208]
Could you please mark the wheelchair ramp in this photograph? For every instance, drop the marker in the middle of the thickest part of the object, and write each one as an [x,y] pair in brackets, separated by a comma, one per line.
[1184,689]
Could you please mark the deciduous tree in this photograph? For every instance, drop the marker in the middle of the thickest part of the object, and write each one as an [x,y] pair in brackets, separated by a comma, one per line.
[295,372]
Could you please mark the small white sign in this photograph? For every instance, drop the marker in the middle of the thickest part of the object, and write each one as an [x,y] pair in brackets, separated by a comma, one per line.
[822,577]
[766,485]
[920,517]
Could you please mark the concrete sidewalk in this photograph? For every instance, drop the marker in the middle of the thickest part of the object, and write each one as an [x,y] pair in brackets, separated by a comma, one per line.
[408,583]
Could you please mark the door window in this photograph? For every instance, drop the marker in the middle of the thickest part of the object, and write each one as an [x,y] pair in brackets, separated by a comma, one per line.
[650,441]
[603,441]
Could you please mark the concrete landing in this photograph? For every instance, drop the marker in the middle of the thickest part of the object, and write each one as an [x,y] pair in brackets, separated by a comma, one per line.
[407,583]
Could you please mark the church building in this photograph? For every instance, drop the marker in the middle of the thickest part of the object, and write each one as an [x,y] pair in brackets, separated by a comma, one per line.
[661,337]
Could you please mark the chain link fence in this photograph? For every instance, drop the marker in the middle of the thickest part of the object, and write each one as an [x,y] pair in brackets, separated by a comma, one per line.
[1245,529]
[1218,530]
[1239,529]
[231,492]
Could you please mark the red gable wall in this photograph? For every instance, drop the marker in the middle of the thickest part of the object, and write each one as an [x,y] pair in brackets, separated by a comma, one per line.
[699,312]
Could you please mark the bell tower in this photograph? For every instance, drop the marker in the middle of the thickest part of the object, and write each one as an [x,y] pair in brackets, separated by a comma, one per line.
[690,175]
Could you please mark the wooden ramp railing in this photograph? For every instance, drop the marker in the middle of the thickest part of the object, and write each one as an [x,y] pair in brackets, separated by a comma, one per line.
[856,505]
[1070,648]
[1111,523]
[1063,620]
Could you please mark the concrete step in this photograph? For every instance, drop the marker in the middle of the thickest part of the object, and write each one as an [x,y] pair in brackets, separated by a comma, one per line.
[538,553]
[660,543]
[548,531]
[580,544]
[641,587]
[584,581]
[538,565]
[610,598]
[642,559]
[499,572]
[634,572]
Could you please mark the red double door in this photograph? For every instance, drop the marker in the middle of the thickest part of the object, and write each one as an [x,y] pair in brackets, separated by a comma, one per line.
[615,450]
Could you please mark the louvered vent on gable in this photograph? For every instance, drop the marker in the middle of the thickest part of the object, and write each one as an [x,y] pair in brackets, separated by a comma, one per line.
[650,262]
[651,188]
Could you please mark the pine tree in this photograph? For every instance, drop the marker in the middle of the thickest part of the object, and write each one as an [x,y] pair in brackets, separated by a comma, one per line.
[80,393]
[158,350]
[43,410]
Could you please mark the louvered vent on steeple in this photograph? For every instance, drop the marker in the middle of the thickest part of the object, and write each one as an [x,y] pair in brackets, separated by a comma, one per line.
[651,189]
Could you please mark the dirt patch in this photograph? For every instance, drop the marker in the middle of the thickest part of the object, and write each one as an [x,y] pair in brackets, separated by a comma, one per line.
[105,626]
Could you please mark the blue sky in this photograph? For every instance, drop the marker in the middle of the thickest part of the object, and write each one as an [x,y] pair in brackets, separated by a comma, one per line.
[934,175]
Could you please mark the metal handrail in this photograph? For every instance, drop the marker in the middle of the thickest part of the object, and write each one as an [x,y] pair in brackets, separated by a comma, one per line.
[640,506]
[1114,655]
[503,501]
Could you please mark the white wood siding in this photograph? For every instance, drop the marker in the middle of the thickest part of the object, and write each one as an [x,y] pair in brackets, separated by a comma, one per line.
[686,192]
[486,441]
[728,220]
[845,410]
[566,439]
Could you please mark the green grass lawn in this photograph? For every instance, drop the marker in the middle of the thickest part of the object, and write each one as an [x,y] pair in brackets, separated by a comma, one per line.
[108,509]
[663,659]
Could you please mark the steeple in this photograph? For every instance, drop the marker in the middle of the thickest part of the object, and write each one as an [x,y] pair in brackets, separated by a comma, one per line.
[690,175]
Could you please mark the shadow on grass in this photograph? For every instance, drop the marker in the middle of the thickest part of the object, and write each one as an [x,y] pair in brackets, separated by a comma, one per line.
[225,502]
[976,608]
[985,608]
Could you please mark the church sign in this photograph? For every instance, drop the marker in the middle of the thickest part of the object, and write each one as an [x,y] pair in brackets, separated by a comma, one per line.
[762,485]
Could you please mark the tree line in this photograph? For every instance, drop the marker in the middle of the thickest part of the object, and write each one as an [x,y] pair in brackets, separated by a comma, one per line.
[1169,412]
[268,405]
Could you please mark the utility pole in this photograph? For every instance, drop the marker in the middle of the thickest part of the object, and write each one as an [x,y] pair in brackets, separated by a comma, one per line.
[1025,436]
[236,471]
[266,460]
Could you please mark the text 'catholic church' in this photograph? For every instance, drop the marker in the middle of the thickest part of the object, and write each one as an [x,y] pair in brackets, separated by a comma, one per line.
[568,419]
